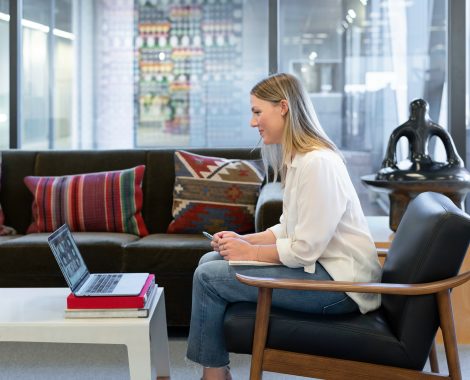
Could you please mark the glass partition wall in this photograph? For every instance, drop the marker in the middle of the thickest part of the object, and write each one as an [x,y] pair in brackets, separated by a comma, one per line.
[46,74]
[102,74]
[363,62]
[168,73]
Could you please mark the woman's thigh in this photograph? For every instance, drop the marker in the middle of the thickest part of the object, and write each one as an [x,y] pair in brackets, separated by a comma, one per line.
[220,276]
[301,300]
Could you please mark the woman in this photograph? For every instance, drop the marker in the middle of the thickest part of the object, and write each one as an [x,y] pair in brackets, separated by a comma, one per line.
[322,234]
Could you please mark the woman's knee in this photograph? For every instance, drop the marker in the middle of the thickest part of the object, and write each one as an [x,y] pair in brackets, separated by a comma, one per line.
[209,271]
[210,256]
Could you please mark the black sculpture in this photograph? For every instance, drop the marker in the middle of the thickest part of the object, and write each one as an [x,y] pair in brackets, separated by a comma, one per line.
[418,173]
[418,130]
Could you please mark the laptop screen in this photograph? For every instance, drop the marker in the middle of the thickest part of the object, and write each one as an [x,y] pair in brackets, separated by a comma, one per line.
[68,256]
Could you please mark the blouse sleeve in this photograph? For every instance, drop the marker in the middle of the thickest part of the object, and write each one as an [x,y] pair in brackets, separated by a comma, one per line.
[321,203]
[279,230]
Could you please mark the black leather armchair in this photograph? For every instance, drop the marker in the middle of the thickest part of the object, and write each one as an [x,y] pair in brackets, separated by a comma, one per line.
[392,342]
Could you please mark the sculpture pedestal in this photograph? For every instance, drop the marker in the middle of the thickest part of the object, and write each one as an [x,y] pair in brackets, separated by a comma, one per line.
[402,192]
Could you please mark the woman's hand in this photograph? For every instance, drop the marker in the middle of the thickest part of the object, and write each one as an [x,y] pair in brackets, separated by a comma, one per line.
[223,234]
[234,248]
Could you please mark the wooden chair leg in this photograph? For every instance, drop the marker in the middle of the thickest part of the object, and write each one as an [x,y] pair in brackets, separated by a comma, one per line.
[433,358]
[261,332]
[448,333]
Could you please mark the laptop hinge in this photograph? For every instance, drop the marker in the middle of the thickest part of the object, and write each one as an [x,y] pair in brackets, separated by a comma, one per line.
[81,282]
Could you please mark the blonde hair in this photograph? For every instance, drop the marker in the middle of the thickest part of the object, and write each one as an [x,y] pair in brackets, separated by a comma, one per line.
[302,130]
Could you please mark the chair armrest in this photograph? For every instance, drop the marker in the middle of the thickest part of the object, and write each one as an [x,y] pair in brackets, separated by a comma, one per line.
[268,207]
[356,287]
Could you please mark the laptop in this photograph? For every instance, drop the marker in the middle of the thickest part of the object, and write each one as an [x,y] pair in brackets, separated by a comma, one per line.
[80,280]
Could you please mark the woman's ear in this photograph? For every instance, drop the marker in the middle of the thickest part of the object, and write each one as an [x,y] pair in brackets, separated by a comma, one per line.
[284,107]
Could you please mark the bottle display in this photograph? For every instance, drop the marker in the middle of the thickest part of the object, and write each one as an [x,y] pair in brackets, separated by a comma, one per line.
[188,57]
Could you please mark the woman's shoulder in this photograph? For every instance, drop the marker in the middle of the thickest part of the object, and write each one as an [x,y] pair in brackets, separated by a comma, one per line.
[318,156]
[320,161]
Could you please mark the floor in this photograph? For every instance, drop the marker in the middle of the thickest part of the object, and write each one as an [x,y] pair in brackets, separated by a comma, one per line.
[44,361]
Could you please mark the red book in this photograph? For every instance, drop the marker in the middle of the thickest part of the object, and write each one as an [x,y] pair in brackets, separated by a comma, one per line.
[113,302]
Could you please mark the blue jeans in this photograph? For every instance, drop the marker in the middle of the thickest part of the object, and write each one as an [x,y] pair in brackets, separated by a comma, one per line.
[215,286]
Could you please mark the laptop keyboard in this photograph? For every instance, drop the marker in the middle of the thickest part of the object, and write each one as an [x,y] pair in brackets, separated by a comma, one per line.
[103,283]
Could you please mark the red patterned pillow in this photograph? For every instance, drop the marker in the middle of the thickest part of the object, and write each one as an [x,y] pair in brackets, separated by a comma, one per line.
[103,202]
[4,230]
[214,194]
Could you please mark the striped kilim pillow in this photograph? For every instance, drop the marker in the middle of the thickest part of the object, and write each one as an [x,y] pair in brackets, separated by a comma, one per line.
[101,202]
[214,194]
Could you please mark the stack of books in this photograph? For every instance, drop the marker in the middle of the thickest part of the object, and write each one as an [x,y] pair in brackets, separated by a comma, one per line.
[113,306]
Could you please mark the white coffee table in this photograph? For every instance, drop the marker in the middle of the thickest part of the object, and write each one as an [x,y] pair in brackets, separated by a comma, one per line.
[37,315]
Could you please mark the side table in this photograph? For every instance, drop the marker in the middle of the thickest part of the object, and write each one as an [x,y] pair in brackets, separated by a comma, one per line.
[37,315]
[401,193]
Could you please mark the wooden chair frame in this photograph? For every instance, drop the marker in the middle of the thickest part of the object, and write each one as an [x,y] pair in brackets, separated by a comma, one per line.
[330,368]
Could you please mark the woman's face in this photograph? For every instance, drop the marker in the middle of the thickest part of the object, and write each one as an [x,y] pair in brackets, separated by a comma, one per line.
[269,118]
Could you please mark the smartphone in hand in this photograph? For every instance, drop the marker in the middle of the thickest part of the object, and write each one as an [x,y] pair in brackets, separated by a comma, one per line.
[207,235]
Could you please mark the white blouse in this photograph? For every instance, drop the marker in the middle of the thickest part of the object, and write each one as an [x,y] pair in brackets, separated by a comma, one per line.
[322,220]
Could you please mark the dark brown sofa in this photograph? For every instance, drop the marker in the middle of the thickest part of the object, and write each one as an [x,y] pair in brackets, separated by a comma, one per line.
[26,260]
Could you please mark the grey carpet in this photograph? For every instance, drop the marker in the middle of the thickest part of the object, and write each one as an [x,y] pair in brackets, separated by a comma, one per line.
[46,361]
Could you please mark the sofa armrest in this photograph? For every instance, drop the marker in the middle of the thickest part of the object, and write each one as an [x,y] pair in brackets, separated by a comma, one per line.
[269,206]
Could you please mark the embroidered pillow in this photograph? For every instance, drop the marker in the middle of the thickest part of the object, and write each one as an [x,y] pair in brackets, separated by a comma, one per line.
[4,230]
[102,202]
[214,194]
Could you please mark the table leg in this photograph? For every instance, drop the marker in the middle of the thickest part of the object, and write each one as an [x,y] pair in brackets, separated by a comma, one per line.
[159,340]
[140,361]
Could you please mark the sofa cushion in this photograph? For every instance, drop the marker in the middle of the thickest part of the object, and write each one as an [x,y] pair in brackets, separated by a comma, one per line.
[173,259]
[4,230]
[213,194]
[161,251]
[4,238]
[102,202]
